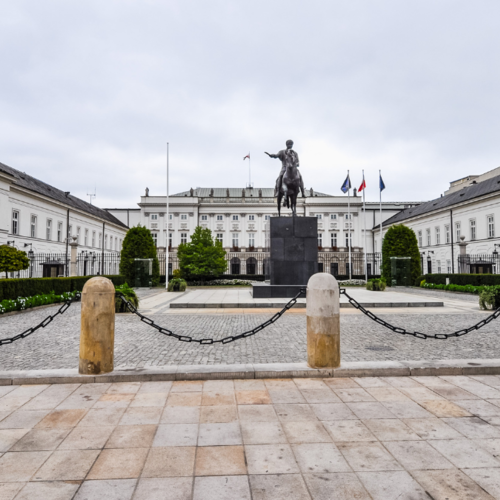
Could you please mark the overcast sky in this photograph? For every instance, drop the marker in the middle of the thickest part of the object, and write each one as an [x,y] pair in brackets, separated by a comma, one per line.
[90,92]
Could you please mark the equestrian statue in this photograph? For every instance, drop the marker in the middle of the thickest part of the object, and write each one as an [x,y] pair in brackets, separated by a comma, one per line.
[289,182]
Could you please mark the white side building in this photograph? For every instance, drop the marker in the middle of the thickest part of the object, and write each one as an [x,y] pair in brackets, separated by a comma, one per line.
[466,214]
[37,217]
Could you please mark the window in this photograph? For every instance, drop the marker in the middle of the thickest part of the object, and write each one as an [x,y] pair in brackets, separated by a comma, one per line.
[333,239]
[49,229]
[348,216]
[438,264]
[333,216]
[70,230]
[170,216]
[33,226]
[472,225]
[59,231]
[420,238]
[78,235]
[348,239]
[100,240]
[251,217]
[93,238]
[154,216]
[170,238]
[457,231]
[184,238]
[447,233]
[448,266]
[204,217]
[320,240]
[267,217]
[220,237]
[236,217]
[105,242]
[155,238]
[220,217]
[86,240]
[116,243]
[15,222]
[491,226]
[184,216]
[319,216]
[251,240]
[438,236]
[428,233]
[234,237]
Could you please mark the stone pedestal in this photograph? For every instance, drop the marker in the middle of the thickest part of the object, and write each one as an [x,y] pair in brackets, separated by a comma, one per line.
[293,256]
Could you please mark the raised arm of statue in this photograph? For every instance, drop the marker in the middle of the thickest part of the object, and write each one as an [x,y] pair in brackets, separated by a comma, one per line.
[271,156]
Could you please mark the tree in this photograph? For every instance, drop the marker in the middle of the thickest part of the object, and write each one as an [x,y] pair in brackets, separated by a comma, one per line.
[202,257]
[138,244]
[12,259]
[400,241]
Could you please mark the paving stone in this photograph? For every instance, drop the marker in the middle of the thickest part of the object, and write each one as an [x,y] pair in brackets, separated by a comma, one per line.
[218,414]
[253,397]
[370,410]
[306,432]
[388,485]
[319,458]
[16,466]
[257,413]
[220,488]
[363,456]
[176,435]
[387,394]
[9,490]
[102,416]
[270,459]
[87,438]
[220,461]
[67,465]
[444,409]
[336,486]
[149,399]
[320,396]
[278,487]
[262,433]
[41,439]
[170,462]
[219,434]
[333,411]
[62,418]
[180,415]
[432,428]
[141,416]
[166,488]
[417,455]
[391,429]
[53,490]
[465,454]
[125,463]
[132,436]
[406,409]
[294,412]
[450,484]
[480,408]
[23,419]
[9,437]
[110,489]
[346,431]
[488,479]
[473,427]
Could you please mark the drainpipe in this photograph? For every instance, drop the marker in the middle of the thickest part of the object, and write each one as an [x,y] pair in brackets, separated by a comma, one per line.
[451,240]
[67,242]
[102,252]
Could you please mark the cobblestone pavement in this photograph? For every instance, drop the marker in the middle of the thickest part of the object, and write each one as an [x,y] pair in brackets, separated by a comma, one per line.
[139,345]
[423,438]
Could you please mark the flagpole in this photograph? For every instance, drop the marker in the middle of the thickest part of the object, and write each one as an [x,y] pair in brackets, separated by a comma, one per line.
[249,171]
[364,227]
[380,189]
[168,229]
[349,224]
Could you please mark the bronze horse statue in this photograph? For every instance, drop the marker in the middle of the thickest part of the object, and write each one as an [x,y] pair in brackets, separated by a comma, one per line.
[289,190]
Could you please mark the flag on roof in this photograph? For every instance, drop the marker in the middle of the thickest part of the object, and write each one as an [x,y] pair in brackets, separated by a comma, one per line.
[381,183]
[347,184]
[363,185]
[247,156]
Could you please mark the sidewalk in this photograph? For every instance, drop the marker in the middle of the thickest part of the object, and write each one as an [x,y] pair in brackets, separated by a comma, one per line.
[272,439]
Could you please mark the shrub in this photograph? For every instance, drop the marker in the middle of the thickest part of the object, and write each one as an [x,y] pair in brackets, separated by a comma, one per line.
[138,244]
[203,257]
[376,285]
[464,279]
[221,282]
[129,294]
[177,284]
[400,241]
[22,303]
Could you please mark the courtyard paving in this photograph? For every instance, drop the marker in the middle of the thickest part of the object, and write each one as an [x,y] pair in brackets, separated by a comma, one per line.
[140,346]
[404,438]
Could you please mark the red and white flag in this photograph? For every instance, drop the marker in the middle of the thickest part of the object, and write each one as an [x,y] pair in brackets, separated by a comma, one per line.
[247,156]
[363,185]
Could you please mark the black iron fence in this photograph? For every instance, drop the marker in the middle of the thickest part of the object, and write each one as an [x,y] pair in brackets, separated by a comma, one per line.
[479,264]
[338,263]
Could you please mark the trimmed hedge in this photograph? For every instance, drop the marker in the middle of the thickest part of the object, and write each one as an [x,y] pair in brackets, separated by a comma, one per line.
[462,279]
[11,289]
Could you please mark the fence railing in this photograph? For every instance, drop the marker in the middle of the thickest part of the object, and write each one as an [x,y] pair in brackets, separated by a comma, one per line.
[479,263]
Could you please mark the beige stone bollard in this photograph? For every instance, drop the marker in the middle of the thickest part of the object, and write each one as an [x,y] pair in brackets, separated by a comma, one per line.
[323,321]
[97,337]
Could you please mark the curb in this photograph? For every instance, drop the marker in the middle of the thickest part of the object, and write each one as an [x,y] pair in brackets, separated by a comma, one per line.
[301,305]
[258,371]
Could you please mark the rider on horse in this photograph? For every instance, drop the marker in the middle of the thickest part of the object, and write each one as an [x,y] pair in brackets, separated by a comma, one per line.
[288,157]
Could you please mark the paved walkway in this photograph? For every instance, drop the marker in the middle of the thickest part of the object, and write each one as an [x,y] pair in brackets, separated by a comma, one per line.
[304,439]
[242,297]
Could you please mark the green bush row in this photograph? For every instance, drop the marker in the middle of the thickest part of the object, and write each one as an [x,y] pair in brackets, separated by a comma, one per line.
[11,289]
[21,303]
[461,279]
[454,288]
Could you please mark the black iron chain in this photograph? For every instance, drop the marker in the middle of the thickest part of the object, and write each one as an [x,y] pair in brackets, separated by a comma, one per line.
[225,340]
[44,323]
[419,335]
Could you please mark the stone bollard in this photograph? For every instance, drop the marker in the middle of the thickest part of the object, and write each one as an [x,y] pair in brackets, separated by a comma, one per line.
[97,337]
[323,321]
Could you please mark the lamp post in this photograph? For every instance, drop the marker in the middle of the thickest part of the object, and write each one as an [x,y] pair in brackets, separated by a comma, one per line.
[495,256]
[31,257]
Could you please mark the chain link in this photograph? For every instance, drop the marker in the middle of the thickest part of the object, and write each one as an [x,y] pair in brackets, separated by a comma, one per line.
[419,335]
[44,323]
[225,340]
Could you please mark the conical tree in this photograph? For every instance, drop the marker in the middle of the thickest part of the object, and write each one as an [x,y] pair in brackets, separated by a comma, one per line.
[400,241]
[201,258]
[138,244]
